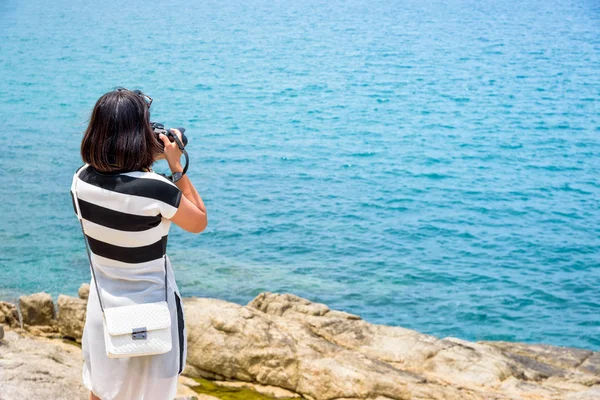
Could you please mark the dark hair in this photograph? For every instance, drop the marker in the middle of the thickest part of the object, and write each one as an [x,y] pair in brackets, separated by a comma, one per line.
[119,136]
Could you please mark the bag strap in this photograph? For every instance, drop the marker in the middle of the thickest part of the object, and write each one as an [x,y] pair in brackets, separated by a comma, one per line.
[87,246]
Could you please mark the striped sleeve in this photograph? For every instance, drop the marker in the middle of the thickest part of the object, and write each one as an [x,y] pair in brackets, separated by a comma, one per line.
[136,193]
[72,190]
[169,199]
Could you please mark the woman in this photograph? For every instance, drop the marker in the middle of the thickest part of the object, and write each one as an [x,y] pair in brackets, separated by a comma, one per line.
[126,211]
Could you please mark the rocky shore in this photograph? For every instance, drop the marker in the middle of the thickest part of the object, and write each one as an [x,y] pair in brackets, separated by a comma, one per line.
[286,347]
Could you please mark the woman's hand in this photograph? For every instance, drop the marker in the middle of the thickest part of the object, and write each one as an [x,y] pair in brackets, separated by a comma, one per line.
[172,153]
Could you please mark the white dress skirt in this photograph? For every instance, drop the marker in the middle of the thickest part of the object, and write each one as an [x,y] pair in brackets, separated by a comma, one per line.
[126,219]
[136,378]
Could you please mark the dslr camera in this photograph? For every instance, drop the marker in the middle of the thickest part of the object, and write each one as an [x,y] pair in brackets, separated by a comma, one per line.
[159,128]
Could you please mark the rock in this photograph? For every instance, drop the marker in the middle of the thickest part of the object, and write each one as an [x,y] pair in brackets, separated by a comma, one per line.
[559,357]
[248,345]
[38,368]
[33,367]
[42,330]
[506,369]
[37,309]
[84,291]
[591,365]
[9,314]
[284,346]
[589,394]
[71,316]
[184,388]
[195,372]
[399,346]
[1,332]
[560,367]
[287,303]
[189,382]
[271,391]
[470,365]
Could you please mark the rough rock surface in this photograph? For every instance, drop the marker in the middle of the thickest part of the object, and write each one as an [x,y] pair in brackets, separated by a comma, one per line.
[9,314]
[248,345]
[271,391]
[505,370]
[37,309]
[39,368]
[288,347]
[71,316]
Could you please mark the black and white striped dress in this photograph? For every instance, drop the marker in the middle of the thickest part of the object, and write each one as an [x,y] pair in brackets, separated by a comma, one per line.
[126,220]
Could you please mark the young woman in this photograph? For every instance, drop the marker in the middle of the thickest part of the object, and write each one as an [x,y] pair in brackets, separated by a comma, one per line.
[126,212]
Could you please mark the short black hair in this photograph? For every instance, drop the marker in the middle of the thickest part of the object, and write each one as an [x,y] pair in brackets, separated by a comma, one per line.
[119,136]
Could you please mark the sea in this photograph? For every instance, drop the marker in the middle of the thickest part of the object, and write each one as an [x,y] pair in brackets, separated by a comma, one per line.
[433,164]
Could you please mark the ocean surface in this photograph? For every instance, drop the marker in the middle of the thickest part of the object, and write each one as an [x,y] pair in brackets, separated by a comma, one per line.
[428,164]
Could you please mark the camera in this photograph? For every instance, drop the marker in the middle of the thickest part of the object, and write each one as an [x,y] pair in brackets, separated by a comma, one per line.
[159,128]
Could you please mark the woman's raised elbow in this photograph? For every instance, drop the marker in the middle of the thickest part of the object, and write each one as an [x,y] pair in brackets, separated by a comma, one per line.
[200,225]
[190,219]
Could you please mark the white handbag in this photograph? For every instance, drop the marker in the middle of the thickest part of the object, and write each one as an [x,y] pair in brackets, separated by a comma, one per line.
[137,330]
[133,330]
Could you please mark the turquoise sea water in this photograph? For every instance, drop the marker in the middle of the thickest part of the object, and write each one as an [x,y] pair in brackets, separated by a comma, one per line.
[433,165]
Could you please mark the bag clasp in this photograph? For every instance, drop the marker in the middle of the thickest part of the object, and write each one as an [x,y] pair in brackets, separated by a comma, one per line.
[139,333]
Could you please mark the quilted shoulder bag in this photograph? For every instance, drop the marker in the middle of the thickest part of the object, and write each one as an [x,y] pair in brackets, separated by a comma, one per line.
[133,330]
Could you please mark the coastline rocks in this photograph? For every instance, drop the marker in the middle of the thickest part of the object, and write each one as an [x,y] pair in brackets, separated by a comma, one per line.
[37,309]
[9,314]
[71,316]
[402,348]
[560,358]
[248,345]
[271,391]
[286,346]
[43,330]
[38,368]
[505,369]
[405,349]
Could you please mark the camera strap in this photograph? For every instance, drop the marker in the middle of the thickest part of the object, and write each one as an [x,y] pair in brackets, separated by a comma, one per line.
[178,175]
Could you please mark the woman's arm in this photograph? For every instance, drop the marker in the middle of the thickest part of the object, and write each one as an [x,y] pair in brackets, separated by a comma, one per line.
[191,214]
[189,191]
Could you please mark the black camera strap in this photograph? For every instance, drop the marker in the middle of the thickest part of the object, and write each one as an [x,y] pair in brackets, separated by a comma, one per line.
[178,175]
